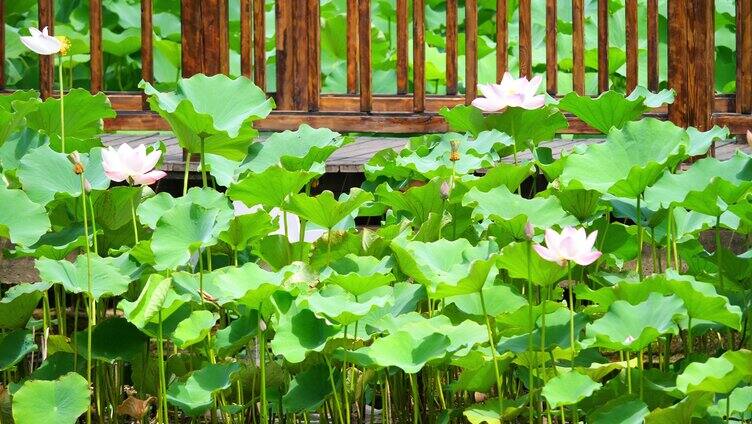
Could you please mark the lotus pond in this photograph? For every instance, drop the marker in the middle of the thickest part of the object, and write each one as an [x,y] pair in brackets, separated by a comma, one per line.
[457,284]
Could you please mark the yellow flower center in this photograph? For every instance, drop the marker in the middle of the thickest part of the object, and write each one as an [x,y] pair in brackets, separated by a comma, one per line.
[65,44]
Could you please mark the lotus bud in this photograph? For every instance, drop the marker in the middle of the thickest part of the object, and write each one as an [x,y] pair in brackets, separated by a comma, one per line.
[87,185]
[529,231]
[749,138]
[65,44]
[445,190]
[75,159]
[454,156]
[262,325]
[629,340]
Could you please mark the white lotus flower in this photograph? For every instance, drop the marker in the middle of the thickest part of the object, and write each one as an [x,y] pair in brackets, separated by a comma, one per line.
[41,42]
[510,92]
[133,165]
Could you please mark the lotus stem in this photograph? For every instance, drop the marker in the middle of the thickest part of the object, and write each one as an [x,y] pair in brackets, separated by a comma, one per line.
[334,390]
[629,373]
[531,354]
[571,313]
[163,410]
[344,380]
[718,250]
[186,172]
[204,179]
[642,373]
[492,345]
[135,221]
[262,370]
[639,236]
[46,319]
[416,398]
[62,106]
[92,302]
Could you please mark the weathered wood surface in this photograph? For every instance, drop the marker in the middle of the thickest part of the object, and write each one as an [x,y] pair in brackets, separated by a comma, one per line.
[352,157]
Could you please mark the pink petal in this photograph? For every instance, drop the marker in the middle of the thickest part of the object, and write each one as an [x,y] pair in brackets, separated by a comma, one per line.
[487,105]
[552,238]
[590,241]
[115,176]
[568,248]
[568,232]
[532,86]
[487,90]
[151,160]
[534,102]
[148,178]
[588,258]
[546,254]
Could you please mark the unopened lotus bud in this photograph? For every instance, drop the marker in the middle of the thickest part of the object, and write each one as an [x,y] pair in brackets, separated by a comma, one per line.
[262,325]
[454,156]
[75,159]
[749,138]
[87,185]
[445,190]
[529,231]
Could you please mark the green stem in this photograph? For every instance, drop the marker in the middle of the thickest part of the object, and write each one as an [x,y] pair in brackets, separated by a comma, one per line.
[629,374]
[334,391]
[62,107]
[416,398]
[92,303]
[642,373]
[718,251]
[531,354]
[492,343]
[93,226]
[45,319]
[571,313]
[162,377]
[204,179]
[186,172]
[135,221]
[639,236]
[262,370]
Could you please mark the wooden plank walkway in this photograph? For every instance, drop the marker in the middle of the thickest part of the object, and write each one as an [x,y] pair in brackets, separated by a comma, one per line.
[352,157]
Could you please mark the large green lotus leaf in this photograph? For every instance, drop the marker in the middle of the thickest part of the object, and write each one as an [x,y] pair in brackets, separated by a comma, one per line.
[700,141]
[359,274]
[631,159]
[557,333]
[418,202]
[45,174]
[19,302]
[184,230]
[622,410]
[609,110]
[501,205]
[194,329]
[84,115]
[528,127]
[121,43]
[650,99]
[429,155]
[488,412]
[583,204]
[498,299]
[341,307]
[447,268]
[150,210]
[149,301]
[521,261]
[195,395]
[383,166]
[13,110]
[324,209]
[700,299]
[300,332]
[17,146]
[403,350]
[107,279]
[634,327]
[503,174]
[682,412]
[488,142]
[717,375]
[195,111]
[462,336]
[307,391]
[740,403]
[55,245]
[248,284]
[246,228]
[112,208]
[55,366]
[14,346]
[463,118]
[21,228]
[568,389]
[295,150]
[233,338]
[272,187]
[60,401]
[710,182]
[130,341]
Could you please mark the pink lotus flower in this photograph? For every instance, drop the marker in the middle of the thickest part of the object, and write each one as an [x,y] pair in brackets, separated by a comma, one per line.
[515,92]
[133,165]
[571,245]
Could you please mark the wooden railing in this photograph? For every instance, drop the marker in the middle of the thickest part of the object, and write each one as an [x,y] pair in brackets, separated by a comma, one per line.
[690,61]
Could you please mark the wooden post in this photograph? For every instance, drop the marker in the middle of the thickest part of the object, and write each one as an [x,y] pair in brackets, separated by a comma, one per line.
[691,61]
[205,47]
[744,56]
[46,63]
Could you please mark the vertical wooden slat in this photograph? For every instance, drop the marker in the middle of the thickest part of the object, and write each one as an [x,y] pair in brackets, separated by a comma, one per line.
[301,52]
[552,59]
[526,41]
[653,45]
[502,37]
[285,54]
[451,46]
[691,42]
[2,44]
[632,52]
[147,46]
[314,56]
[471,50]
[364,46]
[603,46]
[191,39]
[259,44]
[419,56]
[352,46]
[95,37]
[744,56]
[246,34]
[578,47]
[402,50]
[46,63]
